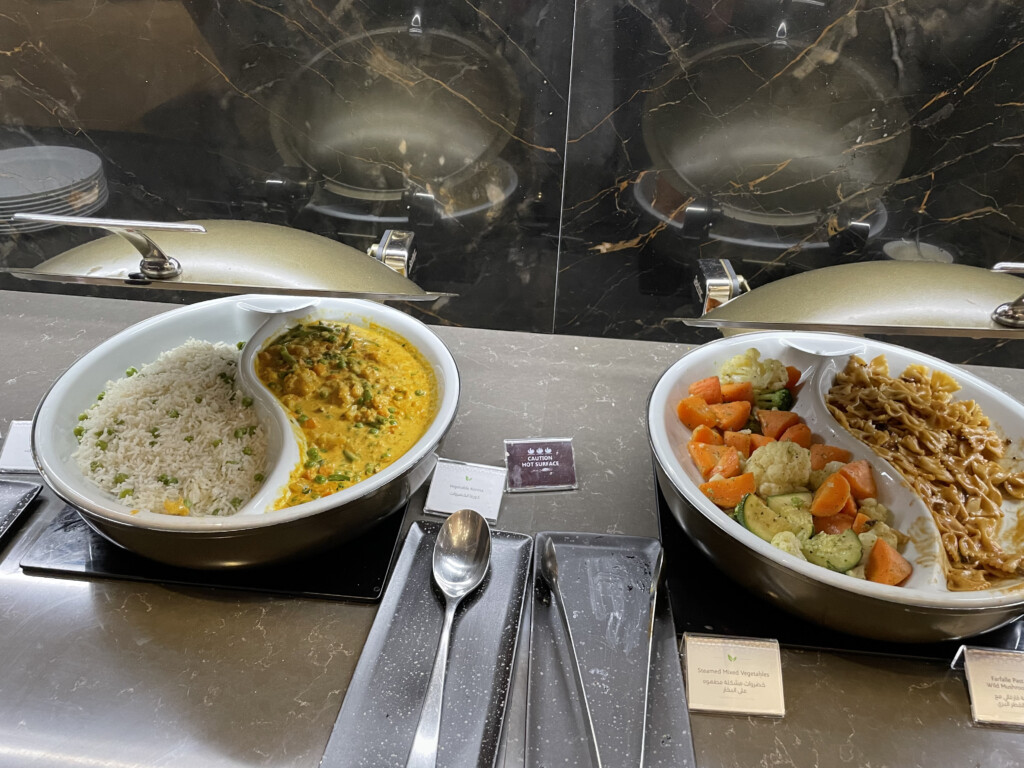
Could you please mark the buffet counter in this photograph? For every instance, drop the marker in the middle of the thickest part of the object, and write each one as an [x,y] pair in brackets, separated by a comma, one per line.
[117,673]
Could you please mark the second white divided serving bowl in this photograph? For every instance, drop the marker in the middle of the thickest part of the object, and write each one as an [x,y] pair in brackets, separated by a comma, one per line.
[923,610]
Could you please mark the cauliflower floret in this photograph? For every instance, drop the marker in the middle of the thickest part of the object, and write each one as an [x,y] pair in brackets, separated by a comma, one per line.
[818,476]
[765,375]
[788,542]
[780,467]
[876,511]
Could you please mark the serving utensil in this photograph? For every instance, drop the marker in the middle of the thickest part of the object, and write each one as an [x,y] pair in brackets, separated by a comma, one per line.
[549,570]
[462,555]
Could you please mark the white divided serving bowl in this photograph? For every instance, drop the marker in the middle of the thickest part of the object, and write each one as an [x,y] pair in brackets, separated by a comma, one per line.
[923,610]
[256,534]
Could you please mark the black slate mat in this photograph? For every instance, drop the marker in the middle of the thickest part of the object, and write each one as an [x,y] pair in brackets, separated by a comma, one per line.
[356,570]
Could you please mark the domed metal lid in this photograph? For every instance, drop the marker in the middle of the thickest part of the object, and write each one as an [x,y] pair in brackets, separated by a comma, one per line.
[225,256]
[887,297]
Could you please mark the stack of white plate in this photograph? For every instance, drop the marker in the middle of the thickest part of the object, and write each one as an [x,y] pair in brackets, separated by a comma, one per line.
[59,181]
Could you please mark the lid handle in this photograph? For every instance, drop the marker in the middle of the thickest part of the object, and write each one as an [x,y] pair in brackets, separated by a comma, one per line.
[155,264]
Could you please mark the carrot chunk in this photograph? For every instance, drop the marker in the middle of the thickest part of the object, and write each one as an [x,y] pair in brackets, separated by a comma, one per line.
[832,523]
[799,434]
[728,463]
[732,416]
[694,411]
[705,434]
[849,508]
[831,496]
[727,492]
[705,456]
[794,375]
[739,390]
[710,389]
[886,566]
[774,423]
[756,441]
[822,454]
[861,479]
[738,440]
[861,523]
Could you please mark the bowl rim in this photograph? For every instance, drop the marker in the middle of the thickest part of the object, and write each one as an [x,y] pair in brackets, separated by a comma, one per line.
[681,484]
[428,343]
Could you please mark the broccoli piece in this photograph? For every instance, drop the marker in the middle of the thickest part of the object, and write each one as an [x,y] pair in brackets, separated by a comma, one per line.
[777,400]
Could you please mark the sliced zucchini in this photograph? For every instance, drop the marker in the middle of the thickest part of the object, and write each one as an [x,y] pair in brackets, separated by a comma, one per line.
[763,521]
[835,551]
[786,502]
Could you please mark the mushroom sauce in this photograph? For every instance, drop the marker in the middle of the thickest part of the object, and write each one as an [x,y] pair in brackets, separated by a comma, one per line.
[362,396]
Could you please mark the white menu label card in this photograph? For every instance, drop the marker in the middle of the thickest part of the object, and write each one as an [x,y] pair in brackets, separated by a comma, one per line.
[995,680]
[459,485]
[734,674]
[16,455]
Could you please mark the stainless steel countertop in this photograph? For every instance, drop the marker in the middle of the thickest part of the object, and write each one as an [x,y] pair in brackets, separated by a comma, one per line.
[108,673]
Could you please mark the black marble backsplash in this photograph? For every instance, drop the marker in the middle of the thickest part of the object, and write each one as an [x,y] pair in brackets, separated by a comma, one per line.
[552,158]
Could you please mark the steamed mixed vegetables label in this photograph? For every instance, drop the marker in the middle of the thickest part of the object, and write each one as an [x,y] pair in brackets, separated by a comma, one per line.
[763,463]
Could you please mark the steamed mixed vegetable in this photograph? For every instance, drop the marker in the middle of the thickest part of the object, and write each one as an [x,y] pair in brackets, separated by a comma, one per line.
[763,463]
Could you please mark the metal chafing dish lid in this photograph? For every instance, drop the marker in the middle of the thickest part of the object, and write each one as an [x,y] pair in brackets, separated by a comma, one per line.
[911,298]
[235,257]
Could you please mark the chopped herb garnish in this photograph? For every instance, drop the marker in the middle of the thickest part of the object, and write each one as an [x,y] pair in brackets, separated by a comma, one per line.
[131,372]
[246,402]
[119,478]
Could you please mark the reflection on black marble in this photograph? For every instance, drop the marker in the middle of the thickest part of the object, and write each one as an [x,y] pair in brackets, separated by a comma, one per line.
[345,119]
[549,156]
[816,132]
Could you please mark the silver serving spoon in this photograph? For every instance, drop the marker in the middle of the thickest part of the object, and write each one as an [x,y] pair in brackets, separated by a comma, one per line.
[462,554]
[549,571]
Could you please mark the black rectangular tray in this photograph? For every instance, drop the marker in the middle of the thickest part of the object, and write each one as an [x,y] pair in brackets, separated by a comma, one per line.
[15,497]
[381,709]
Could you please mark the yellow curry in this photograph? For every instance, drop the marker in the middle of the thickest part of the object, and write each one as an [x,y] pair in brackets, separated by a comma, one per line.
[363,397]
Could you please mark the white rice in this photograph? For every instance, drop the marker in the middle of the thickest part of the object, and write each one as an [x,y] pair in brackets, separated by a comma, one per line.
[178,430]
